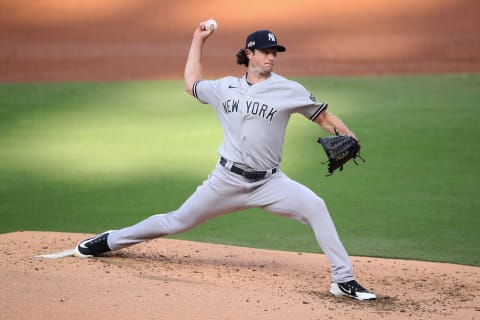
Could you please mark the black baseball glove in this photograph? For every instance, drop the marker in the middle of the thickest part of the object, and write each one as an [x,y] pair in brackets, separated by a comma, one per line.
[340,149]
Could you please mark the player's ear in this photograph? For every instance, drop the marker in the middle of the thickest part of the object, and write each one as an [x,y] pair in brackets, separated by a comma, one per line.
[249,53]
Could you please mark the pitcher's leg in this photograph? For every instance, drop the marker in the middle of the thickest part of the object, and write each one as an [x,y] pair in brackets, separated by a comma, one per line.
[205,203]
[291,199]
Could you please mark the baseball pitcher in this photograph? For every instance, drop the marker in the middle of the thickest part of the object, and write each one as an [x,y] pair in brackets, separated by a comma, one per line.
[253,111]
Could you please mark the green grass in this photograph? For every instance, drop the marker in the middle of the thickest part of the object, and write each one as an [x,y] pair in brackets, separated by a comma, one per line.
[86,157]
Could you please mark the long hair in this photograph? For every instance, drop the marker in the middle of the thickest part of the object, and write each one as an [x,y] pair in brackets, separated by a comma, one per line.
[242,57]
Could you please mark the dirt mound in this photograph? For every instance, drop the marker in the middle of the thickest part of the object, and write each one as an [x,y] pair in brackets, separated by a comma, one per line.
[172,279]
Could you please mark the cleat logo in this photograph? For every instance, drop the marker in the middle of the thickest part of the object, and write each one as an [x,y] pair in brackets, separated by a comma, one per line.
[82,244]
[350,291]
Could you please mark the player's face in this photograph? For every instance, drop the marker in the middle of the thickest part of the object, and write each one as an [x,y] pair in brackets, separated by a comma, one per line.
[262,60]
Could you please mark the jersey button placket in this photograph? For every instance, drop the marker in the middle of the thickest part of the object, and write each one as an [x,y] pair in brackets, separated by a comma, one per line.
[243,134]
[243,141]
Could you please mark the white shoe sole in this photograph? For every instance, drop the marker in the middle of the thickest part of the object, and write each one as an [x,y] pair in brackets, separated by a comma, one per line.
[78,254]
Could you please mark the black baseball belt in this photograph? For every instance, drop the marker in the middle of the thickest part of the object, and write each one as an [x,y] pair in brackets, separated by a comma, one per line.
[248,174]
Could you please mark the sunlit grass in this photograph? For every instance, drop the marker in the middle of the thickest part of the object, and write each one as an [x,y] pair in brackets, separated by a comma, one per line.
[112,134]
[88,157]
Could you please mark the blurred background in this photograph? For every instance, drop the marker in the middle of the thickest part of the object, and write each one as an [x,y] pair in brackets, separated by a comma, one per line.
[56,40]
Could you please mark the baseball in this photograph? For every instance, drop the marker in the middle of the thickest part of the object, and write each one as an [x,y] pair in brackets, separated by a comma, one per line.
[209,23]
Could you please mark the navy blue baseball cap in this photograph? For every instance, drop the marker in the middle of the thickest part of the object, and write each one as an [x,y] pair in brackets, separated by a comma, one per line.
[263,39]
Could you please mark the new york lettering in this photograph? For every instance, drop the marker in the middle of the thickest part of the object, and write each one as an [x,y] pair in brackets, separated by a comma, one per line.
[230,105]
[251,107]
[261,110]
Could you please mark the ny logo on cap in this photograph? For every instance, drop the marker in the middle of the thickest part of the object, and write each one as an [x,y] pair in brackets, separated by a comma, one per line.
[271,37]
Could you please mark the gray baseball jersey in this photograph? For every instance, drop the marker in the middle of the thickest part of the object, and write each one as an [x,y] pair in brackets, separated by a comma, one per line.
[254,118]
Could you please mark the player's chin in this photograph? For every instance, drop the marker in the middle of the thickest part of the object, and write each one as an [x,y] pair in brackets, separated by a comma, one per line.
[267,68]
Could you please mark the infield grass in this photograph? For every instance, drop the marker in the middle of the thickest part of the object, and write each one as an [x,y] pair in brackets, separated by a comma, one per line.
[87,157]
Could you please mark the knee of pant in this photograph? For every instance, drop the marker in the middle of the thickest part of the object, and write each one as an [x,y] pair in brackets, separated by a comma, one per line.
[314,205]
[177,224]
[163,224]
[320,203]
[314,208]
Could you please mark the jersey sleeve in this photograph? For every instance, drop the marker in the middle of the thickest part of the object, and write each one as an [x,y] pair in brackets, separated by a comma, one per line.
[206,91]
[308,105]
[313,111]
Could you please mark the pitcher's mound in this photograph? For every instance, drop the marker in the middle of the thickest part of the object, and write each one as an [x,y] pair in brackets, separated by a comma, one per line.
[172,279]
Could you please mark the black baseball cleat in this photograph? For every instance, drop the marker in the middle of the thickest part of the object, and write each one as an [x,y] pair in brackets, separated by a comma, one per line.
[353,290]
[92,247]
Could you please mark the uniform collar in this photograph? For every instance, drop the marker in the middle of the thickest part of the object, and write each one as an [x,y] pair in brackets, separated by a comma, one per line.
[251,84]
